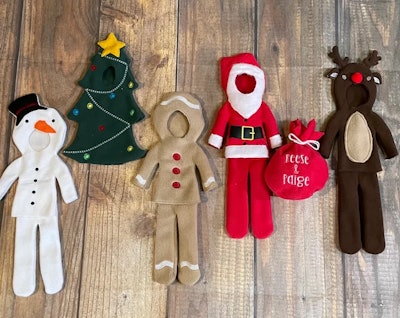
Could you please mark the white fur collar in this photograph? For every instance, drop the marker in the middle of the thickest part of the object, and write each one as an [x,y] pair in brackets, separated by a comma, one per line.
[245,104]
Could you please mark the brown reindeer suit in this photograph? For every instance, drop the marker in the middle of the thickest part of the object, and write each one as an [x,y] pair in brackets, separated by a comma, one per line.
[359,131]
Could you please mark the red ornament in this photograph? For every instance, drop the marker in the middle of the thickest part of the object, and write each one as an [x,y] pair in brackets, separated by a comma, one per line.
[102,127]
[93,67]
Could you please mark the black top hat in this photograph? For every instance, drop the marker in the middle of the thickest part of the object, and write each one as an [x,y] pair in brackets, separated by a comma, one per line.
[24,105]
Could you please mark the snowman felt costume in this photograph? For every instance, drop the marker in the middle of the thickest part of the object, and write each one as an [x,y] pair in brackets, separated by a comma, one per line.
[250,128]
[176,157]
[39,134]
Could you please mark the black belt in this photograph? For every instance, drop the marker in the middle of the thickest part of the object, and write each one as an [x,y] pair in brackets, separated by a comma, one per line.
[246,132]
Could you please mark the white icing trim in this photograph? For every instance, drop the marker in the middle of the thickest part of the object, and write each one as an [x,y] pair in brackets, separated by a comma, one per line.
[246,151]
[275,141]
[245,104]
[163,264]
[209,181]
[193,267]
[215,140]
[183,100]
[140,179]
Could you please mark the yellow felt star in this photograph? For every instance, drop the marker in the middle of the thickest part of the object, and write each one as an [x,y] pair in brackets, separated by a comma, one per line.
[111,45]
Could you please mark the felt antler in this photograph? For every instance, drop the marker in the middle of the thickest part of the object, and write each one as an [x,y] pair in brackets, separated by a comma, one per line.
[336,58]
[372,59]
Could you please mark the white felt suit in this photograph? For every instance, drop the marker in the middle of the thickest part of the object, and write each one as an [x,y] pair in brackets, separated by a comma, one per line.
[39,136]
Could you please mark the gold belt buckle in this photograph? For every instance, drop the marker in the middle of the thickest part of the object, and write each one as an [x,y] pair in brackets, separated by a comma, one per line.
[252,133]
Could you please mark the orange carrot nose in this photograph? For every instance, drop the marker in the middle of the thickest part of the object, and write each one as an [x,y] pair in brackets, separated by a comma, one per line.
[45,127]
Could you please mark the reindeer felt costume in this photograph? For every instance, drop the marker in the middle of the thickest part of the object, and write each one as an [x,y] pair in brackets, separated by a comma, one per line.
[250,128]
[177,156]
[359,132]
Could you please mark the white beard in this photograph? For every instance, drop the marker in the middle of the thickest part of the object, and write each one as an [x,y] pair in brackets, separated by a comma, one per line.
[245,104]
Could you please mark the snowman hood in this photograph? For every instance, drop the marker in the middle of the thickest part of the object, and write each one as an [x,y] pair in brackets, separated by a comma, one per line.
[244,83]
[38,128]
[185,104]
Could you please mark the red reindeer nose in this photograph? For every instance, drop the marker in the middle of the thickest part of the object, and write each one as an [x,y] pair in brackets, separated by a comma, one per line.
[357,78]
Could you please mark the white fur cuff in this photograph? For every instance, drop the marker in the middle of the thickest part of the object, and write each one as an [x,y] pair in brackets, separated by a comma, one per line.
[276,141]
[215,140]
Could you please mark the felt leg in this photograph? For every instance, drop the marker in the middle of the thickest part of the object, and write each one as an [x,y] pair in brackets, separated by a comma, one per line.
[260,202]
[349,213]
[371,211]
[50,255]
[237,202]
[165,249]
[24,280]
[189,272]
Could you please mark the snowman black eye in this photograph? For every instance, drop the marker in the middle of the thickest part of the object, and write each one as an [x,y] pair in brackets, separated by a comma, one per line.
[53,120]
[26,120]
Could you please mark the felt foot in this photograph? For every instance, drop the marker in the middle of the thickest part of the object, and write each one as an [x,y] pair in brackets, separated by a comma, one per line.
[374,248]
[54,288]
[188,276]
[23,291]
[165,276]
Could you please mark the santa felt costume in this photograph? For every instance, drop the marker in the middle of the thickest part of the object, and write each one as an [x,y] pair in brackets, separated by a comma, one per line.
[39,134]
[250,129]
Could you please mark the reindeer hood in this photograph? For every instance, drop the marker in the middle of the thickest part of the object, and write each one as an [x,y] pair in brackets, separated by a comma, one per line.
[354,84]
[244,83]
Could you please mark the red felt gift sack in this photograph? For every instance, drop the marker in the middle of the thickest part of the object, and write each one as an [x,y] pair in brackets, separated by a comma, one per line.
[297,170]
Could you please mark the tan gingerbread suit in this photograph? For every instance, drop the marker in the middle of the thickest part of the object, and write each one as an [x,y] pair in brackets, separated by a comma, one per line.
[174,161]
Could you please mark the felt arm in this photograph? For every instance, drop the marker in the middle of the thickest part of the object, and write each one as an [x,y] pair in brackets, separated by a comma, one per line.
[221,123]
[271,127]
[66,183]
[332,129]
[148,168]
[206,173]
[9,176]
[384,137]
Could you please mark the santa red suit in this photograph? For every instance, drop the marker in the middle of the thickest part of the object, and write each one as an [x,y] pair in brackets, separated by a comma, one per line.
[250,130]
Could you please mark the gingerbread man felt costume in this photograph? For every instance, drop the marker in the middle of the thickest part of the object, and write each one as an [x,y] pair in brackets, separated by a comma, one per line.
[39,134]
[359,131]
[176,158]
[250,129]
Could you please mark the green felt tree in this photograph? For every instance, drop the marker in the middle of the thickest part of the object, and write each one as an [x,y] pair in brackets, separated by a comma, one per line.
[106,110]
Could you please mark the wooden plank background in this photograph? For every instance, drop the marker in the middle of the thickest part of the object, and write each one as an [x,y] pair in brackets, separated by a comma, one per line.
[176,45]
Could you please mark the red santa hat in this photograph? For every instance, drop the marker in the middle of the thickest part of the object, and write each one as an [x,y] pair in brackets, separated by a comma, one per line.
[246,82]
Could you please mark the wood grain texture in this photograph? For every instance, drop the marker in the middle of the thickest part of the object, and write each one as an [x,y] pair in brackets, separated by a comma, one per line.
[371,281]
[208,31]
[44,70]
[176,45]
[10,19]
[118,255]
[299,262]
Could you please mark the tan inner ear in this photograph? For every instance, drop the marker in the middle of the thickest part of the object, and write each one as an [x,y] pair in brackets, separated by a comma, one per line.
[178,124]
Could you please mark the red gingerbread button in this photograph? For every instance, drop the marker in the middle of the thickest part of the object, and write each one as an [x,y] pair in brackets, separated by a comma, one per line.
[176,156]
[176,185]
[176,170]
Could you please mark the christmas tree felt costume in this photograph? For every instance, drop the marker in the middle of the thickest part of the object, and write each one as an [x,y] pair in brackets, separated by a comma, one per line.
[251,130]
[39,134]
[176,158]
[106,110]
[359,132]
